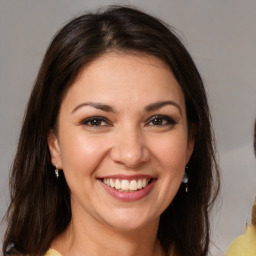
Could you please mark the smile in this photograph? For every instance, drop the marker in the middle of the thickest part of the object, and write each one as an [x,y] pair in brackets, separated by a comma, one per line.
[130,188]
[127,186]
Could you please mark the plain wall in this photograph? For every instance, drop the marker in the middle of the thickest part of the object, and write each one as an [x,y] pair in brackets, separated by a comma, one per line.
[221,37]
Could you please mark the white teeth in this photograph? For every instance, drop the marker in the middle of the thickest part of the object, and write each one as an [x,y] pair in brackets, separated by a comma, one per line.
[126,185]
[117,184]
[133,185]
[112,183]
[139,185]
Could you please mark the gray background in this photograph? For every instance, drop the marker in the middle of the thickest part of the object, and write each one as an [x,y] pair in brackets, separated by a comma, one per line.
[221,37]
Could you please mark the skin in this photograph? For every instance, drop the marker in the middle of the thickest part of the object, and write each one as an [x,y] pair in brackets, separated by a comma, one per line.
[130,141]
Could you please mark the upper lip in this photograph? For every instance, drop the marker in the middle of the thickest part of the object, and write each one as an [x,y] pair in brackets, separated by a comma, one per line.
[127,177]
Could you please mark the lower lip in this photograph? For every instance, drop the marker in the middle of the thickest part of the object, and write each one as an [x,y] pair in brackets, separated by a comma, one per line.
[129,196]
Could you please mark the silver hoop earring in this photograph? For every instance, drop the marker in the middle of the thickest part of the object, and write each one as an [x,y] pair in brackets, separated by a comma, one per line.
[185,180]
[56,172]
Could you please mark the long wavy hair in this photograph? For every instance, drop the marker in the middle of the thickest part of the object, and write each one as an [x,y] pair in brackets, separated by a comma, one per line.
[40,209]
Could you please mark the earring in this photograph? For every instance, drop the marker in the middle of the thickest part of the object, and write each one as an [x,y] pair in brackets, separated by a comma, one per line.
[185,180]
[56,172]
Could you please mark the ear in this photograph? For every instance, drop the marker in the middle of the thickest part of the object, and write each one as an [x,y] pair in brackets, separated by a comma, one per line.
[191,141]
[54,148]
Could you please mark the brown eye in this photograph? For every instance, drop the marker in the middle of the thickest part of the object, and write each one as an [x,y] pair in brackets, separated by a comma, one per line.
[161,121]
[158,121]
[95,121]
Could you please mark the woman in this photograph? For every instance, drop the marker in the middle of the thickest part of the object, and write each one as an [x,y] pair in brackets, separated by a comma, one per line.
[245,244]
[117,113]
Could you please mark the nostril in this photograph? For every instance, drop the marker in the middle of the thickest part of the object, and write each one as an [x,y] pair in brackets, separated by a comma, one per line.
[129,158]
[129,149]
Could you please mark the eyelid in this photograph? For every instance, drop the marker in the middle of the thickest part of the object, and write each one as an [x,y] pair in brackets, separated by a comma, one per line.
[170,120]
[92,118]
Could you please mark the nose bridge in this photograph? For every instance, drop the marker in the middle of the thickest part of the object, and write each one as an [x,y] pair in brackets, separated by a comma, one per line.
[129,148]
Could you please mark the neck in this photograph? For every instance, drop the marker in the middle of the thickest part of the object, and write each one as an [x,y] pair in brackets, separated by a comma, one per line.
[95,238]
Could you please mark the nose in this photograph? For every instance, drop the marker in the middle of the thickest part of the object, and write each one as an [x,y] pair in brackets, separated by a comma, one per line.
[130,148]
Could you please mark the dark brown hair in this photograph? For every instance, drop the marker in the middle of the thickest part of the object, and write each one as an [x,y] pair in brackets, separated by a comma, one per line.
[40,205]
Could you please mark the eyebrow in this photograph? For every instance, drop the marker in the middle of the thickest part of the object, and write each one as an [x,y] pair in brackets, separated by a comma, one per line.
[96,105]
[148,108]
[160,104]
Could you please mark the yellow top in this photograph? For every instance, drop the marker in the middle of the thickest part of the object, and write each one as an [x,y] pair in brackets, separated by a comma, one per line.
[52,252]
[244,244]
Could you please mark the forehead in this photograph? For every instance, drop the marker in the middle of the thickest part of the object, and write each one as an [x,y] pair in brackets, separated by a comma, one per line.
[126,78]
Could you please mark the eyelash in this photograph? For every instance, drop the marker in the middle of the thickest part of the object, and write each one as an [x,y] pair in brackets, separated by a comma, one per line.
[166,119]
[160,120]
[97,119]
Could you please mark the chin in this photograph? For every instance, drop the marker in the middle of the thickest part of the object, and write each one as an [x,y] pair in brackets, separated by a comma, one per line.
[132,221]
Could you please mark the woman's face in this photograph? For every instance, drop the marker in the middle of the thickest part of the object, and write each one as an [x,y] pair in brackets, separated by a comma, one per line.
[122,140]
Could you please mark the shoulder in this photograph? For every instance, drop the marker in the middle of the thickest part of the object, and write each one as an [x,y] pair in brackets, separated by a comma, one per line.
[52,252]
[244,244]
[13,252]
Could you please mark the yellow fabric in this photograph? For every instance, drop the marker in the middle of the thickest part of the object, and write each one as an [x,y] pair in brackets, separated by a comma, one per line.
[52,252]
[244,245]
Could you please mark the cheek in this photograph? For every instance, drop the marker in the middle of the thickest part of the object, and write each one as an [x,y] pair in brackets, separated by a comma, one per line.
[170,156]
[171,151]
[81,154]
